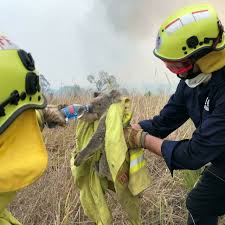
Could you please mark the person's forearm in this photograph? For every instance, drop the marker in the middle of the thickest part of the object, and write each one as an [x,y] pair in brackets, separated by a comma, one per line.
[153,144]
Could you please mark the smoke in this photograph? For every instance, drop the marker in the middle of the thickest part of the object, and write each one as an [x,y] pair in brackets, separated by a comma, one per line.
[141,18]
[136,24]
[72,39]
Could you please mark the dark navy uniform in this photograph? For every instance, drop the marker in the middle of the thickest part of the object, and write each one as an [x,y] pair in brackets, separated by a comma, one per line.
[205,105]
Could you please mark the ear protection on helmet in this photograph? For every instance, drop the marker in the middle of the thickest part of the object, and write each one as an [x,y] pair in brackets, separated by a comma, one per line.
[32,83]
[32,80]
[27,60]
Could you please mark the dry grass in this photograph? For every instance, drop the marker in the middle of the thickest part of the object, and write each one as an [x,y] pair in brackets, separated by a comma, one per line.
[54,200]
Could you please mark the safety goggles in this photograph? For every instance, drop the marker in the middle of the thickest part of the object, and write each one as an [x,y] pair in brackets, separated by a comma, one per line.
[179,67]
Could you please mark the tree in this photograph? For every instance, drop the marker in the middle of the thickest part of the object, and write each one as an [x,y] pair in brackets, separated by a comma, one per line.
[70,91]
[103,81]
[45,85]
[148,93]
[124,91]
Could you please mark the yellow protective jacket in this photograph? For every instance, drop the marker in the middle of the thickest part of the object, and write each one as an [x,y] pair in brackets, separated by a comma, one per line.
[92,187]
[6,218]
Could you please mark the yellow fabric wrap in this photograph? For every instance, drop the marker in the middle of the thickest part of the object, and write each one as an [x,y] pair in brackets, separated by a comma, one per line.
[139,178]
[23,157]
[92,187]
[6,218]
[212,62]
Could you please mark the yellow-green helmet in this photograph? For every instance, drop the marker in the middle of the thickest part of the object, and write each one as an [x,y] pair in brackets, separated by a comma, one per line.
[189,31]
[19,83]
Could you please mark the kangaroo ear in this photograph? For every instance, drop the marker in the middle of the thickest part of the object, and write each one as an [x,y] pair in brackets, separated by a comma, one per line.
[96,94]
[61,106]
[115,96]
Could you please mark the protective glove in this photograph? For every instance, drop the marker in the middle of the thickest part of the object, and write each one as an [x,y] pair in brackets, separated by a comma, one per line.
[53,116]
[135,138]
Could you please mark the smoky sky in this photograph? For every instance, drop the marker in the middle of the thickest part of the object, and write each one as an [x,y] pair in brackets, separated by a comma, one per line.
[70,39]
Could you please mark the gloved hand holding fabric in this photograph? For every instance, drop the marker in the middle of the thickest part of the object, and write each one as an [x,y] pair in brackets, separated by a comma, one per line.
[135,138]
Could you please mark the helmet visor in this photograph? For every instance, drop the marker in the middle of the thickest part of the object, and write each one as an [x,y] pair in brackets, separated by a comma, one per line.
[179,67]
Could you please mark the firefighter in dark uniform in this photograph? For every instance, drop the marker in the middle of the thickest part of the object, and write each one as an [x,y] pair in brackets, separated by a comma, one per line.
[191,43]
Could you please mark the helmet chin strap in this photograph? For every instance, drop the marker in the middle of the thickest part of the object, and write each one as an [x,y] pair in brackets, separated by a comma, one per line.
[189,75]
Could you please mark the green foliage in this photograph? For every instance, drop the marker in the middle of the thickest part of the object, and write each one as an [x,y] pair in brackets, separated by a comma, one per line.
[190,177]
[103,81]
[70,91]
[148,93]
[45,85]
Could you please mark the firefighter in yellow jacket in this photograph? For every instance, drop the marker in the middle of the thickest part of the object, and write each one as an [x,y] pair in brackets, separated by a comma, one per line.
[23,157]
